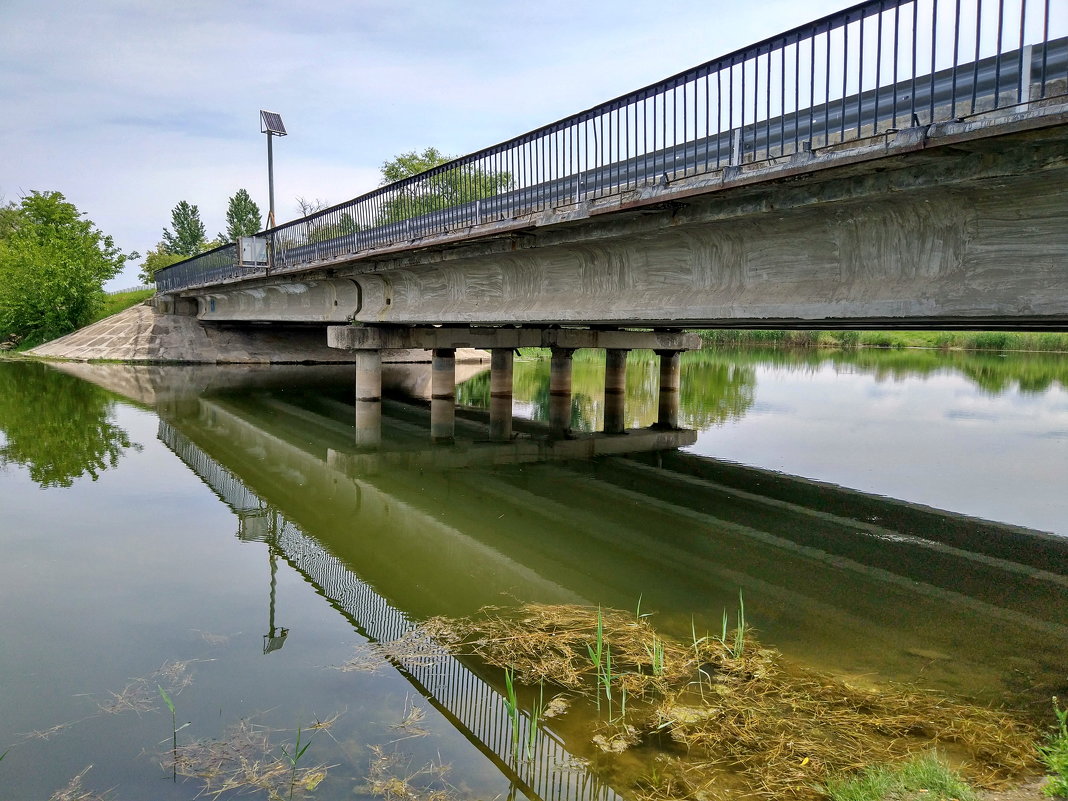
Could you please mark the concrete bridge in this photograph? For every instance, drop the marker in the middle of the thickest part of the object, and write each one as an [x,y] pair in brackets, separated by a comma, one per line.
[891,165]
[888,166]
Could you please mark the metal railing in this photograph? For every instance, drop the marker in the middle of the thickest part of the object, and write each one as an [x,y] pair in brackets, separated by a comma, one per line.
[878,66]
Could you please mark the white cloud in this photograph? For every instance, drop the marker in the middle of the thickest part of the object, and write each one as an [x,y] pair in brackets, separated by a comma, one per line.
[128,107]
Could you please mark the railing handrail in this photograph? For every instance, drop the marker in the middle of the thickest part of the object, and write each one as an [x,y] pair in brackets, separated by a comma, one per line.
[561,151]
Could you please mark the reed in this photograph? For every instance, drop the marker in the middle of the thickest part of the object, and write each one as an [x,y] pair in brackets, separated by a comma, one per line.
[511,705]
[596,652]
[536,711]
[174,731]
[294,759]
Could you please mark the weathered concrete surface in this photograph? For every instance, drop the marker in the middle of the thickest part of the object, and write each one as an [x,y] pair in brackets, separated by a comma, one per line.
[382,337]
[140,334]
[954,225]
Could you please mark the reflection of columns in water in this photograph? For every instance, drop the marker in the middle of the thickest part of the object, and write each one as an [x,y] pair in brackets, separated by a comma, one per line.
[501,395]
[368,398]
[615,391]
[667,415]
[443,395]
[560,392]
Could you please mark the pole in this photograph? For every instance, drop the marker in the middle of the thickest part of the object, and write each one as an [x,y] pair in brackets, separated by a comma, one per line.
[270,179]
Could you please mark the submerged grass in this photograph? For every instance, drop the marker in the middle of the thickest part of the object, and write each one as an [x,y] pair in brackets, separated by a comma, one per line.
[742,719]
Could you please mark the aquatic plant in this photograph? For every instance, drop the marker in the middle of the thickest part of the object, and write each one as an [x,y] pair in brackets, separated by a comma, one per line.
[174,731]
[294,758]
[925,775]
[243,761]
[511,706]
[775,729]
[1055,754]
[596,653]
[537,710]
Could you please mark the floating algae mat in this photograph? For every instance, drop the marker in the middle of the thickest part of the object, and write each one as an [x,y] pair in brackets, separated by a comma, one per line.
[725,716]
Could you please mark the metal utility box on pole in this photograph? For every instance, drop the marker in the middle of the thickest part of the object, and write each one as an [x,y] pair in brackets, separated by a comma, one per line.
[271,124]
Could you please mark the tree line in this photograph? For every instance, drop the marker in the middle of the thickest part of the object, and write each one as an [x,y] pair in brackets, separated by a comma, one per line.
[54,261]
[188,237]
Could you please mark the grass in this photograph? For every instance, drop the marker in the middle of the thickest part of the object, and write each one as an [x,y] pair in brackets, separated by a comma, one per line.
[113,304]
[944,340]
[1055,755]
[924,776]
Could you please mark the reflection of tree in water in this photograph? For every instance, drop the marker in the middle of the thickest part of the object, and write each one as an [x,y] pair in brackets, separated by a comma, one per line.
[714,389]
[994,373]
[58,427]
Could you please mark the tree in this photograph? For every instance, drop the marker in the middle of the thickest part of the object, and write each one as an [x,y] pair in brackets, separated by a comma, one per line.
[440,190]
[188,237]
[242,217]
[53,264]
[155,260]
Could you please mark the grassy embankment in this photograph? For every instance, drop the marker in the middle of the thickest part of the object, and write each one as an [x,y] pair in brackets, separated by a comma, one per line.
[944,340]
[113,304]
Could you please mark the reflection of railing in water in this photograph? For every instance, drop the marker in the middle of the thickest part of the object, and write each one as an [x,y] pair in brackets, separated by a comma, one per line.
[472,704]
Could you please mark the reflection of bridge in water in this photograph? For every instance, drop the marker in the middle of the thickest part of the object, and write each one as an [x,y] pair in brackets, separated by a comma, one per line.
[545,770]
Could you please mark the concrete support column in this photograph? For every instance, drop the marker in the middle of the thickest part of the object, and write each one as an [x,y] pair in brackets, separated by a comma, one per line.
[501,394]
[615,390]
[443,395]
[560,392]
[368,398]
[667,415]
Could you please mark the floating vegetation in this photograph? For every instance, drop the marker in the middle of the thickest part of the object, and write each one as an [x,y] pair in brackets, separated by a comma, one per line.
[143,694]
[213,639]
[409,725]
[415,648]
[743,720]
[75,792]
[391,777]
[245,761]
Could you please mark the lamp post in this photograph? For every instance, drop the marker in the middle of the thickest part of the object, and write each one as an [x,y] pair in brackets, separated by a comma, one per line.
[271,124]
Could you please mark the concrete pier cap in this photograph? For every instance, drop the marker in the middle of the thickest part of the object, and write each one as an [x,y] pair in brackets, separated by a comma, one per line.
[378,337]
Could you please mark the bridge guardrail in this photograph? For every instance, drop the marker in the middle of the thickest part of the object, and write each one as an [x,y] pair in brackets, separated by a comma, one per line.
[880,65]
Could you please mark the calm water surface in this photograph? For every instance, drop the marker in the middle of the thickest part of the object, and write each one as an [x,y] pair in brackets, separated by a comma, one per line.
[166,527]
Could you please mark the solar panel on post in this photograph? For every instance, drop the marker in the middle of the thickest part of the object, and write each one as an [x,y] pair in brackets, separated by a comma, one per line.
[271,123]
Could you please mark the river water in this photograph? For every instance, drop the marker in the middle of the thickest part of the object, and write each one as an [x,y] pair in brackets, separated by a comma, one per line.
[210,537]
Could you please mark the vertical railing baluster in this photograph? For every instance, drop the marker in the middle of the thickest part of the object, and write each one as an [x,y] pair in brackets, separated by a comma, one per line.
[997,61]
[934,59]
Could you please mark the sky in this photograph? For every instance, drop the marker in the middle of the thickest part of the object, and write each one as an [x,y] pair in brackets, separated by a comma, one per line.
[129,106]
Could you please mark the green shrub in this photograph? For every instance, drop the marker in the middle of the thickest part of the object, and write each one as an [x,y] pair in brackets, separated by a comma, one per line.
[1055,755]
